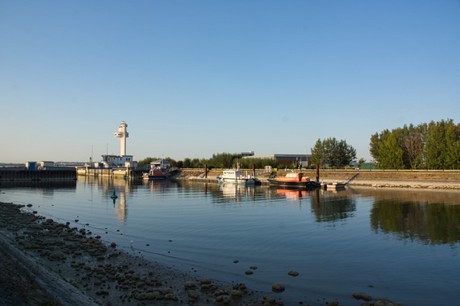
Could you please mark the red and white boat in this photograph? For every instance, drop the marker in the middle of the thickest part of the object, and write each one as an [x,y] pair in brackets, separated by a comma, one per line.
[294,180]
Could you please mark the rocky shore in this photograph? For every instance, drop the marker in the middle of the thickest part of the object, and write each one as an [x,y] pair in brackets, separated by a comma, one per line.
[44,262]
[48,263]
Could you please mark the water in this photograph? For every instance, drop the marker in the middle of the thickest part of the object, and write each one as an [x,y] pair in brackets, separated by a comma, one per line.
[401,245]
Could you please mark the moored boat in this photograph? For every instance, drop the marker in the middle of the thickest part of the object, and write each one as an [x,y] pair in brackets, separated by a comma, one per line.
[294,180]
[159,170]
[235,176]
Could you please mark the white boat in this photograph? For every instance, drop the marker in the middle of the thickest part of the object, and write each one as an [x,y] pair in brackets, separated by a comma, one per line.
[235,176]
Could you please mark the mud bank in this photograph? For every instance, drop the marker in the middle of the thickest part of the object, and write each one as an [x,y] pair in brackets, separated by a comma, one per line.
[49,263]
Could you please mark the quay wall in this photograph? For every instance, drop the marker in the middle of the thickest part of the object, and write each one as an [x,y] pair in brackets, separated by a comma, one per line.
[9,175]
[428,179]
[112,172]
[341,174]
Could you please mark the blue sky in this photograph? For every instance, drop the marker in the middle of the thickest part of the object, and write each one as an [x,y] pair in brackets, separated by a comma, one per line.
[194,78]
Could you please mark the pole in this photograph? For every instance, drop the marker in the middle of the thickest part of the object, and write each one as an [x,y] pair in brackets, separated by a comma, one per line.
[317,173]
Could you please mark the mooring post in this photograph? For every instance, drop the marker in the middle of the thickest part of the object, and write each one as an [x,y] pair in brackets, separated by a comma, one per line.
[317,173]
[205,170]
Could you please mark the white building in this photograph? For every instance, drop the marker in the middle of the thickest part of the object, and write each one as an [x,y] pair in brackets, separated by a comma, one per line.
[121,160]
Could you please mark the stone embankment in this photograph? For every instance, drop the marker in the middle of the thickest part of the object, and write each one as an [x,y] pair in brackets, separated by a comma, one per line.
[426,179]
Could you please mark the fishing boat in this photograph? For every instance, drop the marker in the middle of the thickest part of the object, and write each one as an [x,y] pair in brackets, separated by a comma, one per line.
[235,176]
[293,180]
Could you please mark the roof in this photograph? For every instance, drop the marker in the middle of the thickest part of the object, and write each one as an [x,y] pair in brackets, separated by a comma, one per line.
[292,156]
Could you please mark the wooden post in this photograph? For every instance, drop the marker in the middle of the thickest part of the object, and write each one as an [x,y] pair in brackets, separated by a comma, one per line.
[205,170]
[317,173]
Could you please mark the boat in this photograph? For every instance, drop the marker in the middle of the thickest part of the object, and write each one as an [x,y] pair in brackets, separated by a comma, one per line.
[159,170]
[235,176]
[293,180]
[334,186]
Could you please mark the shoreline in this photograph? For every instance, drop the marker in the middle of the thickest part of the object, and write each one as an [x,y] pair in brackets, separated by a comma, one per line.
[70,266]
[409,179]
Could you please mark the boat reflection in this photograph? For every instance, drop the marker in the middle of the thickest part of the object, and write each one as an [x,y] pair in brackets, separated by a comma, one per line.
[294,194]
[236,193]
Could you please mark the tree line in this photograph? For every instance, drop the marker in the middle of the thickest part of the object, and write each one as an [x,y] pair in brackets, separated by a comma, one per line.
[219,160]
[435,146]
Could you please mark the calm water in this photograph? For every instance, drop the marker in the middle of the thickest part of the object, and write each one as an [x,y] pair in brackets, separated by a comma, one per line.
[400,245]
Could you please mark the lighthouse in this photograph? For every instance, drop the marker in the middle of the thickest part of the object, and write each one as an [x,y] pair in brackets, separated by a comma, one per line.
[121,160]
[122,133]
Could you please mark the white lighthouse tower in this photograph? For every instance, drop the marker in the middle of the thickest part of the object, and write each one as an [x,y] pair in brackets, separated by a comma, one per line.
[121,160]
[122,134]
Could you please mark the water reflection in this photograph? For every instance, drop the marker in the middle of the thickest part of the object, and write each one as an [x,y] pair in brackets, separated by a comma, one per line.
[332,207]
[237,193]
[429,223]
[120,207]
[44,188]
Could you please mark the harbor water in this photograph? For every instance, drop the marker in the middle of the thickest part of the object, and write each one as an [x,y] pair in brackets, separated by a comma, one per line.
[401,245]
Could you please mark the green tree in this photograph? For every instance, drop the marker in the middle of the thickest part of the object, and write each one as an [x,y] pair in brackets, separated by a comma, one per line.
[317,153]
[435,145]
[333,153]
[452,135]
[392,153]
[385,148]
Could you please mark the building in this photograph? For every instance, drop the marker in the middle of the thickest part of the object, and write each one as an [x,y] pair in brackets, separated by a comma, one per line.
[122,160]
[118,161]
[293,160]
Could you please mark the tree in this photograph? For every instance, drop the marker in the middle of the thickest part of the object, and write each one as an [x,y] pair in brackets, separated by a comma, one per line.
[434,146]
[333,153]
[317,153]
[452,136]
[386,150]
[413,145]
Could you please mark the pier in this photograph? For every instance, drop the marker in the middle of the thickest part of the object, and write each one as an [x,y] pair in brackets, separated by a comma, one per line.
[120,172]
[25,175]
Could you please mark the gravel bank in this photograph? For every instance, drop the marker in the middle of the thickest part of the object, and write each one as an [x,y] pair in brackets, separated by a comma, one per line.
[54,264]
[48,263]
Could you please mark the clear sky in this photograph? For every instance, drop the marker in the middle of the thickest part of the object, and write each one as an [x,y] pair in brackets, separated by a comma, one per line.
[194,78]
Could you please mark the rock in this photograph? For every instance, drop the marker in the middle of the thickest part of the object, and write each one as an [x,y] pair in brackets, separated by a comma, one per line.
[362,296]
[278,287]
[293,273]
[189,285]
[193,294]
